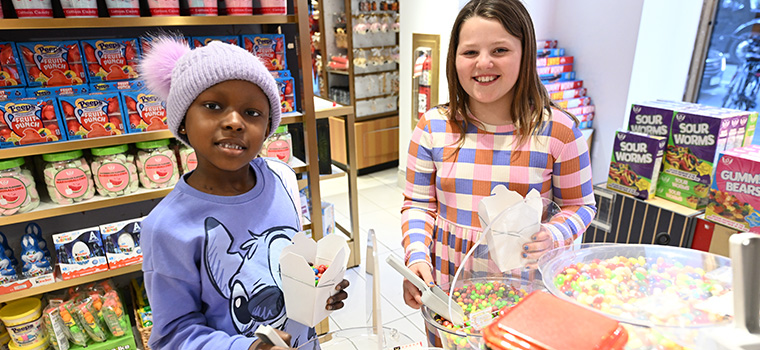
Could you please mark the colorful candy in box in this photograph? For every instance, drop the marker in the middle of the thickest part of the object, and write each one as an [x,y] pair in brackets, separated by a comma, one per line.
[89,116]
[635,165]
[10,72]
[28,121]
[735,191]
[52,63]
[55,91]
[269,47]
[111,59]
[12,94]
[145,111]
[661,293]
[198,41]
[287,95]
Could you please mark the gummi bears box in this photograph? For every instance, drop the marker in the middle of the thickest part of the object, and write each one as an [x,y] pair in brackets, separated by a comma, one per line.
[735,191]
[52,63]
[80,252]
[635,165]
[30,120]
[145,111]
[198,41]
[111,59]
[10,73]
[269,47]
[94,115]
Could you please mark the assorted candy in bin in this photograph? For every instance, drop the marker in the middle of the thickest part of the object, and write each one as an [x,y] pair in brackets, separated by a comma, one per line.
[156,164]
[111,59]
[114,171]
[145,111]
[52,63]
[658,292]
[269,47]
[18,192]
[10,73]
[68,177]
[29,121]
[90,116]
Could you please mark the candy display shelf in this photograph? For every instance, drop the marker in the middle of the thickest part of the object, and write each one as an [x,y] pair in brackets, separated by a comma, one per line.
[107,22]
[62,284]
[52,147]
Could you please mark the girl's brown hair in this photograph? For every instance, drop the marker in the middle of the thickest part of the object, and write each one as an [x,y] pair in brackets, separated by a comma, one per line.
[531,99]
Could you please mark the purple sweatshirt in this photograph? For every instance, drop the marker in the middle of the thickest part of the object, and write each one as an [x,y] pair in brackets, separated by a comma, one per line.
[211,263]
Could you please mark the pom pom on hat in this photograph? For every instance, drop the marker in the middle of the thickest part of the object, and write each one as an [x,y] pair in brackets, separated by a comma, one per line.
[178,75]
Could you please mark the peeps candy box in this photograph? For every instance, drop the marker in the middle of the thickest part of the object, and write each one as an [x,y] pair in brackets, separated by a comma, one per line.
[287,94]
[145,111]
[80,252]
[310,271]
[269,47]
[111,59]
[11,74]
[56,91]
[122,242]
[280,73]
[12,94]
[52,63]
[198,41]
[121,85]
[28,121]
[636,160]
[735,191]
[95,115]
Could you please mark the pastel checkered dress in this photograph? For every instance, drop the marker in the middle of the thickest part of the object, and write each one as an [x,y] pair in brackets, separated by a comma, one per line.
[444,186]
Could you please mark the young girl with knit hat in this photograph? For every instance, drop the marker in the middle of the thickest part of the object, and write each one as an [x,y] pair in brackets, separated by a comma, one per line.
[211,247]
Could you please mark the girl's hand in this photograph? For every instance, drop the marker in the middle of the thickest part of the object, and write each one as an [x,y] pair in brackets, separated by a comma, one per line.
[412,295]
[541,242]
[335,302]
[260,345]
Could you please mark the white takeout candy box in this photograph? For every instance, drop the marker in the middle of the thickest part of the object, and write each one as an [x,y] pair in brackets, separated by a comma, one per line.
[514,228]
[305,302]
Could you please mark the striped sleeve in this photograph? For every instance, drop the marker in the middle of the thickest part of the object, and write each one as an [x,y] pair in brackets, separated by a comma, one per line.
[572,189]
[420,206]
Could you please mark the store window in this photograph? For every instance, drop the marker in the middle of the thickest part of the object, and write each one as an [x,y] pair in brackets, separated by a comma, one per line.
[730,74]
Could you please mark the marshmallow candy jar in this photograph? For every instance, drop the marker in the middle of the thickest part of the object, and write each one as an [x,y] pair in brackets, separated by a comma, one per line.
[68,177]
[156,164]
[18,193]
[187,158]
[114,171]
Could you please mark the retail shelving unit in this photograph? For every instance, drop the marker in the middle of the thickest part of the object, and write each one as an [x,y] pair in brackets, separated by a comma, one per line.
[377,130]
[67,29]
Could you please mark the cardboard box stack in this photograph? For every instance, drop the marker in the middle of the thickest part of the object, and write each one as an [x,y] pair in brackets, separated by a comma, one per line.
[555,68]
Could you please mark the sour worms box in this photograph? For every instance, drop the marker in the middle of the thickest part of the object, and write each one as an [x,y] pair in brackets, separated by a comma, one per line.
[29,121]
[651,118]
[92,115]
[52,63]
[145,111]
[122,242]
[636,160]
[735,191]
[80,253]
[111,59]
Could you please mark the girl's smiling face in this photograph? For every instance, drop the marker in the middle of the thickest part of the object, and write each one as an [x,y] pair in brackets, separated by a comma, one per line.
[487,62]
[227,125]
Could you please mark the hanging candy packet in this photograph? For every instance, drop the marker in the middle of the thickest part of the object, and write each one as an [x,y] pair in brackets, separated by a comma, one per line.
[55,326]
[74,330]
[87,315]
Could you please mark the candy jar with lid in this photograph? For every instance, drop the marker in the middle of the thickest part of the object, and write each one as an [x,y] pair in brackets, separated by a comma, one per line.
[18,193]
[156,164]
[68,177]
[114,171]
[187,158]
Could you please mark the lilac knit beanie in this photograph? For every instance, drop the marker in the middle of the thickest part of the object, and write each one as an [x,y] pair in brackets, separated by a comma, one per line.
[177,74]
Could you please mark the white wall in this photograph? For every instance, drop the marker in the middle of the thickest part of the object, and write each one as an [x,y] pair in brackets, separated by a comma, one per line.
[625,51]
[422,17]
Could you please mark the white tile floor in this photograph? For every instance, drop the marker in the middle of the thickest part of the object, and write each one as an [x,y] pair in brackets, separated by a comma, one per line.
[380,202]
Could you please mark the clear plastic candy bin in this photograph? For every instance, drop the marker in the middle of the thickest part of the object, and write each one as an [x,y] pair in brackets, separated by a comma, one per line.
[361,338]
[665,296]
[483,298]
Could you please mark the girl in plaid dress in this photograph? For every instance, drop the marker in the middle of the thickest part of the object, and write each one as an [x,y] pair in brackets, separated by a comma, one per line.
[500,127]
